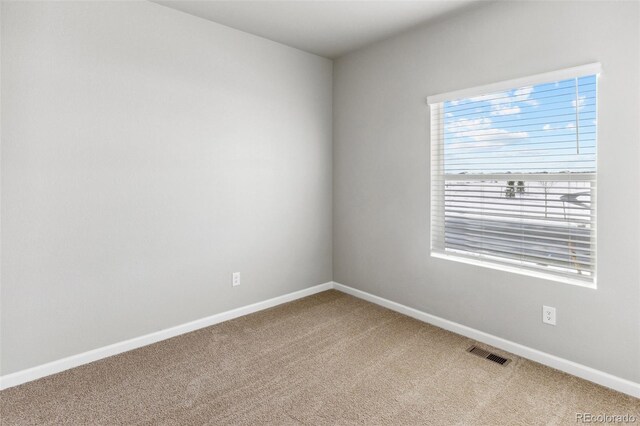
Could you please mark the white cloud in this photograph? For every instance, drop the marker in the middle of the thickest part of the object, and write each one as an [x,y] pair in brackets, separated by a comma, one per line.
[493,136]
[523,94]
[481,130]
[524,91]
[472,145]
[546,127]
[505,109]
[505,103]
[581,101]
[467,122]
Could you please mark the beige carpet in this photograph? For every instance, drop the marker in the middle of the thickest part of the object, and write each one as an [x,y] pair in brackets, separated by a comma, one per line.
[325,359]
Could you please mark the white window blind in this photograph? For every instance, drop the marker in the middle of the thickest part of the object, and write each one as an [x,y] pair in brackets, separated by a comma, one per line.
[513,175]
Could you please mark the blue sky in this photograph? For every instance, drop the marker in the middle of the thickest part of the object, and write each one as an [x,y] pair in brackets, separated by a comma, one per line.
[524,130]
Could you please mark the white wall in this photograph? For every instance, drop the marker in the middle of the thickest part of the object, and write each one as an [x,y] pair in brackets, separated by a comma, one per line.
[381,174]
[146,155]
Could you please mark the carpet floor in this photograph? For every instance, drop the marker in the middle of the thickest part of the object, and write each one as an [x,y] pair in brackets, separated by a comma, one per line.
[325,359]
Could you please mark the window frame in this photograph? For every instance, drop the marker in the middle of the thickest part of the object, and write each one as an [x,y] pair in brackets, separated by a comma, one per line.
[436,103]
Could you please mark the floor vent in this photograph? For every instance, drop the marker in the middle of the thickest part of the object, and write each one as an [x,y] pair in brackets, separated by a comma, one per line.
[488,355]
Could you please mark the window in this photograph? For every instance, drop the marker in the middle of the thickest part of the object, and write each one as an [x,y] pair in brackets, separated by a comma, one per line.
[513,175]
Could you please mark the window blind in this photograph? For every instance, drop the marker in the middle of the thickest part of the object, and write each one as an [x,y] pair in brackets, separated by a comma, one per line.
[513,175]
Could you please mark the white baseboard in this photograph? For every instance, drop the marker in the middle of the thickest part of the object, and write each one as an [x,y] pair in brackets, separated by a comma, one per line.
[570,367]
[600,377]
[20,377]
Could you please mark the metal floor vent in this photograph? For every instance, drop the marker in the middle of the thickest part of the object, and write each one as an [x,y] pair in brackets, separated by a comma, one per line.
[488,355]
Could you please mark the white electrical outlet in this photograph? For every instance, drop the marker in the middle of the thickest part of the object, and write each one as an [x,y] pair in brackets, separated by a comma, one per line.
[235,280]
[549,315]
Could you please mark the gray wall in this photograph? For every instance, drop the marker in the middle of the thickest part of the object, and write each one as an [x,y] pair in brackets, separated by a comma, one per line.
[381,174]
[146,155]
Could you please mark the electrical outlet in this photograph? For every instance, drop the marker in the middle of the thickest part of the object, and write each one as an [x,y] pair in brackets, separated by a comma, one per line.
[549,315]
[235,280]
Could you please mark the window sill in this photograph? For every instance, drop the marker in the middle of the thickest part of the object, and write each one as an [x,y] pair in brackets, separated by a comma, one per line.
[513,269]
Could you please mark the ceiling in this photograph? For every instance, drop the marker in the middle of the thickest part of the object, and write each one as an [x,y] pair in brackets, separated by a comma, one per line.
[326,28]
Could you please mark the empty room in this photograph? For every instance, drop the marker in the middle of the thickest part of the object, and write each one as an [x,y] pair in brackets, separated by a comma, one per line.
[319,212]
